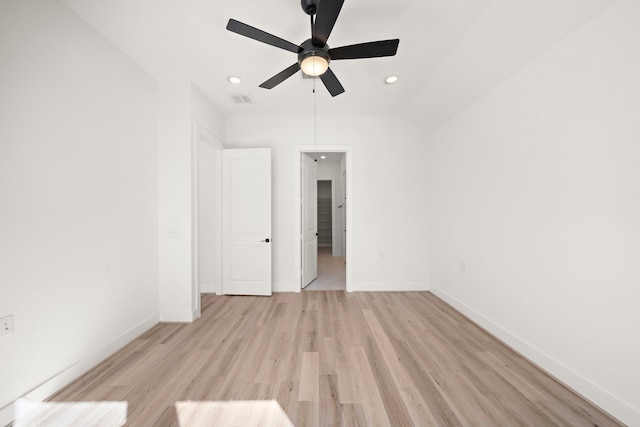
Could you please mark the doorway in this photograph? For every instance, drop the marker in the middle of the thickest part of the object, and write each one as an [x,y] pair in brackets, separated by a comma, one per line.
[331,272]
[334,246]
[330,263]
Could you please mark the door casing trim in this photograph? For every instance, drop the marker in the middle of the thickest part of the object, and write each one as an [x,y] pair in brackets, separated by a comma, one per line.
[297,221]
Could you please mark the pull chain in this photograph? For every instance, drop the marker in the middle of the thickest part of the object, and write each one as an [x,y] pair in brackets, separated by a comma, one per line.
[315,121]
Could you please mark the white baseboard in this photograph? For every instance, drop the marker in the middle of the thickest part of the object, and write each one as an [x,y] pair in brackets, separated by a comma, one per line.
[389,287]
[74,371]
[361,287]
[597,395]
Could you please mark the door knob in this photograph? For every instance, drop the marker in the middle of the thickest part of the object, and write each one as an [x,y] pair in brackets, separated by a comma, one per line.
[265,240]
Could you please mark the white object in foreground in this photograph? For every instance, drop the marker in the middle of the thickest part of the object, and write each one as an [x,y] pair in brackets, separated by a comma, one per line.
[246,413]
[31,413]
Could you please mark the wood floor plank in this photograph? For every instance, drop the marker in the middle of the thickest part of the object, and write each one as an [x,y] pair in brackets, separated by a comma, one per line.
[398,373]
[417,407]
[427,388]
[528,389]
[309,377]
[386,385]
[331,358]
[476,408]
[167,418]
[375,412]
[327,356]
[511,402]
[353,416]
[348,387]
[330,408]
[136,367]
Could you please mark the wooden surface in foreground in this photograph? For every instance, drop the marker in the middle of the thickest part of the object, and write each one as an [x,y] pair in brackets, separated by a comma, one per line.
[330,358]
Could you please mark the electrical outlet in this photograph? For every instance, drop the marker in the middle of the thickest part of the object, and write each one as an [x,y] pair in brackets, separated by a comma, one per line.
[6,325]
[462,266]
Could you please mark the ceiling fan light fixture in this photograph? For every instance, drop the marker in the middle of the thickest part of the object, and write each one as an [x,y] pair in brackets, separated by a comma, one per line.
[234,80]
[314,65]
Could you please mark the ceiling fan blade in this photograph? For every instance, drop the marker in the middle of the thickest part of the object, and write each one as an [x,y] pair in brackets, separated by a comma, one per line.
[261,36]
[328,11]
[331,83]
[281,76]
[365,50]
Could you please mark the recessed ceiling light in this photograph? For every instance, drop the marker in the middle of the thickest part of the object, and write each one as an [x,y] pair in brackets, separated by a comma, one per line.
[391,80]
[323,157]
[234,79]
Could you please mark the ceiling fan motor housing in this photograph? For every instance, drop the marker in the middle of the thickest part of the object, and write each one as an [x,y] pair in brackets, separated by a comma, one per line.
[308,49]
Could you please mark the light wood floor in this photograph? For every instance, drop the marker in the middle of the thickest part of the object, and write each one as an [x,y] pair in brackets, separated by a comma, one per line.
[331,358]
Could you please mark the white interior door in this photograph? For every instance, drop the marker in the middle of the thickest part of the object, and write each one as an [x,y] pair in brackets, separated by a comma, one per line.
[309,219]
[246,221]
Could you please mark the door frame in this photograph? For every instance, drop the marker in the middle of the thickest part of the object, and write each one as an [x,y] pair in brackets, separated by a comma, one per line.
[309,205]
[297,220]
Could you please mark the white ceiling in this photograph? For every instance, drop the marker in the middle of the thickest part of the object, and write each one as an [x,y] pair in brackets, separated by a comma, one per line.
[450,53]
[329,157]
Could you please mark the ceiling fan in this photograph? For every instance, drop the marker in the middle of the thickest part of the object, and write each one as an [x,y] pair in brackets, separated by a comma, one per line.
[314,54]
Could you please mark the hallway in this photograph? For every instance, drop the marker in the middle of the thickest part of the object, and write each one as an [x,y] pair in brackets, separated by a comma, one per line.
[331,272]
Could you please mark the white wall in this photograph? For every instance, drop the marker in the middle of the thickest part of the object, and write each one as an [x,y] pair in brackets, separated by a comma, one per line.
[536,189]
[208,130]
[183,110]
[207,216]
[175,203]
[206,115]
[78,199]
[389,215]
